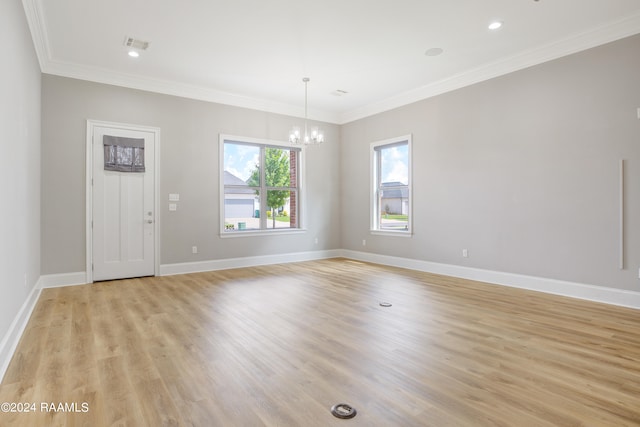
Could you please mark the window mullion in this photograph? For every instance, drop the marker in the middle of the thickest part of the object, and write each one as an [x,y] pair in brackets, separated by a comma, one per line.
[378,208]
[263,190]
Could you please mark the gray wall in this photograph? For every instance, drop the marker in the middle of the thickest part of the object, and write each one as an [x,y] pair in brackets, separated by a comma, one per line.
[521,170]
[19,163]
[188,166]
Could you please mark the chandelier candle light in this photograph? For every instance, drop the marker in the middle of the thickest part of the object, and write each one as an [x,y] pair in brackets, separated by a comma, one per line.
[315,137]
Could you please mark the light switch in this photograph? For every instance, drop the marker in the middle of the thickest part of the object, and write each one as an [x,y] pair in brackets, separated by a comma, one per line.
[173,207]
[174,197]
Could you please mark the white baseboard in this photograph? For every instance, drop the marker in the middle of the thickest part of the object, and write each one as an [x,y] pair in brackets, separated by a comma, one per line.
[11,339]
[228,263]
[552,286]
[601,294]
[80,278]
[66,279]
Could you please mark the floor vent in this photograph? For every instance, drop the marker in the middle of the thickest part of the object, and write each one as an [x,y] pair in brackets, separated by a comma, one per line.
[343,410]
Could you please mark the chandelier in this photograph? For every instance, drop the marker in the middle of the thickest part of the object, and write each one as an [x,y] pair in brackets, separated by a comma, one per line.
[310,136]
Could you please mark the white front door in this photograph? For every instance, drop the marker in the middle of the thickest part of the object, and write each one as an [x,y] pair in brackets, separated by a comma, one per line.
[123,229]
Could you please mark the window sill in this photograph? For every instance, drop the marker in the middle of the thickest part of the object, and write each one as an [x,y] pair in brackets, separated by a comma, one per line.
[392,233]
[254,233]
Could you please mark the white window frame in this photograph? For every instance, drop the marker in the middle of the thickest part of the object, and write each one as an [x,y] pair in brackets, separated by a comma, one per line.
[374,208]
[301,202]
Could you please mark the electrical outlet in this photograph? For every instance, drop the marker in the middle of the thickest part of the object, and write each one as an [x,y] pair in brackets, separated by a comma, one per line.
[364,242]
[194,249]
[465,253]
[316,240]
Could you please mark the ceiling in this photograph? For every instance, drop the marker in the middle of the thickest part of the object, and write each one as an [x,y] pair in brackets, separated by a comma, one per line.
[254,53]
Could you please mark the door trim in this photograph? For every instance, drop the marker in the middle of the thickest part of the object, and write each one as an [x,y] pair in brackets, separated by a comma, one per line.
[91,124]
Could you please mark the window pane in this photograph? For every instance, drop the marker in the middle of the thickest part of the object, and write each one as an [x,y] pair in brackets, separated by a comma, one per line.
[394,207]
[241,210]
[394,164]
[241,161]
[277,167]
[283,214]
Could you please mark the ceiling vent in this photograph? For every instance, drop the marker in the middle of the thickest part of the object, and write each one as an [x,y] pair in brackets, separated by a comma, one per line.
[135,43]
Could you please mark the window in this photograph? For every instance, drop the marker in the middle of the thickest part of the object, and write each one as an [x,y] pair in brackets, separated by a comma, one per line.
[123,154]
[261,186]
[391,189]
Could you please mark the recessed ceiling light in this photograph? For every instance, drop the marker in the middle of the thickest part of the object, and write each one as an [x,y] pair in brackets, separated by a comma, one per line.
[434,51]
[133,54]
[495,25]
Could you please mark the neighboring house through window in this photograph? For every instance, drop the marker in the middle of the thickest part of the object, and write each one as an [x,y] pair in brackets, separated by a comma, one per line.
[240,201]
[391,186]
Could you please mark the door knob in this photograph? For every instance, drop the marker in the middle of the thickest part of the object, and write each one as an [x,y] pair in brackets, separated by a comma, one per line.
[149,221]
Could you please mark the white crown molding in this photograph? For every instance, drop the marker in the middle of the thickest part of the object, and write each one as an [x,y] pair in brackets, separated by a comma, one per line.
[201,93]
[38,28]
[34,14]
[605,33]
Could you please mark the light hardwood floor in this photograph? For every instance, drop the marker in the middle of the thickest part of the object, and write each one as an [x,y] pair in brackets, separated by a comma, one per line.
[279,345]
